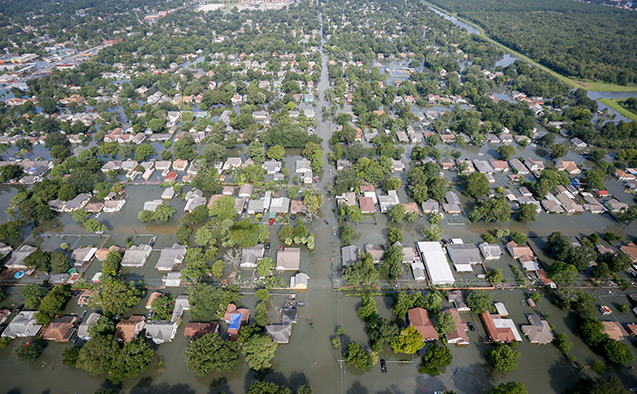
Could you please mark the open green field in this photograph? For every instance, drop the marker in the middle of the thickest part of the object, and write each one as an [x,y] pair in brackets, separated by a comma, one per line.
[614,104]
[588,85]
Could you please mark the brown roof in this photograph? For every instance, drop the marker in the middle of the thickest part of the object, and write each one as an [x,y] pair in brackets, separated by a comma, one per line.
[632,329]
[459,335]
[630,250]
[61,329]
[127,329]
[153,296]
[497,334]
[411,207]
[84,297]
[297,206]
[366,204]
[419,318]
[366,188]
[614,330]
[197,330]
[214,198]
[101,253]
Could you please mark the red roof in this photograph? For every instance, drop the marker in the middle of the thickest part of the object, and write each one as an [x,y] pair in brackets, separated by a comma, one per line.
[419,318]
[497,334]
[171,176]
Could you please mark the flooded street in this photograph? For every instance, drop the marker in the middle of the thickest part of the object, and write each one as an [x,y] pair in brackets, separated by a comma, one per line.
[309,357]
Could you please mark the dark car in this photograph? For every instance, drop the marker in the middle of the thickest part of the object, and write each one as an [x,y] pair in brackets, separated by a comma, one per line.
[326,222]
[470,325]
[383,366]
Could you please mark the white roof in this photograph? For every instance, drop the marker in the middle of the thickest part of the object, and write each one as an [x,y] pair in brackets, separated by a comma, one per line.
[502,310]
[436,263]
[508,323]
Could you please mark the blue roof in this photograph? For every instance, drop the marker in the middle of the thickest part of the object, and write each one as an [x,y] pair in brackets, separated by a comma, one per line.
[235,321]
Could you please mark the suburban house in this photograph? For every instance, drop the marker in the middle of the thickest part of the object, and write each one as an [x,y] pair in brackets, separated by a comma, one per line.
[366,205]
[456,297]
[279,333]
[419,318]
[377,251]
[435,261]
[136,256]
[490,251]
[569,166]
[349,255]
[499,329]
[631,251]
[271,167]
[23,325]
[524,255]
[82,256]
[17,257]
[389,201]
[161,331]
[245,190]
[251,255]
[288,259]
[82,330]
[430,206]
[518,167]
[236,319]
[61,329]
[539,331]
[128,329]
[463,256]
[459,335]
[197,330]
[169,258]
[614,330]
[299,281]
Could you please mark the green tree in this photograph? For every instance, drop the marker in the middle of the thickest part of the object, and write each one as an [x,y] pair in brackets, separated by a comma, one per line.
[52,304]
[477,185]
[144,152]
[60,263]
[445,323]
[39,260]
[115,297]
[265,267]
[479,301]
[362,274]
[433,232]
[223,208]
[357,356]
[491,210]
[101,326]
[409,341]
[508,388]
[519,238]
[98,354]
[276,152]
[110,266]
[259,350]
[394,235]
[206,300]
[562,342]
[131,360]
[495,276]
[506,152]
[437,357]
[30,350]
[162,307]
[261,316]
[527,213]
[211,353]
[610,385]
[33,295]
[263,294]
[397,213]
[258,387]
[164,212]
[617,352]
[368,310]
[558,150]
[503,358]
[94,226]
[392,264]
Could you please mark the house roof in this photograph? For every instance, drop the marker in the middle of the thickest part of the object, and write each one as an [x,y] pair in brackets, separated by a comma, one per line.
[170,257]
[436,263]
[631,250]
[82,330]
[500,330]
[299,280]
[197,330]
[490,251]
[376,250]
[18,256]
[539,331]
[463,255]
[456,297]
[459,335]
[136,255]
[279,333]
[614,330]
[127,329]
[161,331]
[252,254]
[419,318]
[288,259]
[23,325]
[61,329]
[366,204]
[349,254]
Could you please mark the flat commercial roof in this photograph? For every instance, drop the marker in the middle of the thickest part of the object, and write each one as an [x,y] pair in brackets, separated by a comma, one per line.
[436,263]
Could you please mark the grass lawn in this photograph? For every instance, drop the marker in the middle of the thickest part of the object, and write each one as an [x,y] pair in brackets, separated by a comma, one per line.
[614,104]
[588,85]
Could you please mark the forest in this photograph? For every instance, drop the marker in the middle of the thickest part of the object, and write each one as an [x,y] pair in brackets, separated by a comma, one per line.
[583,41]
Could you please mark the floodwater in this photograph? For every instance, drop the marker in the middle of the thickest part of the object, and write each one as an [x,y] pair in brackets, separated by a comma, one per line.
[309,358]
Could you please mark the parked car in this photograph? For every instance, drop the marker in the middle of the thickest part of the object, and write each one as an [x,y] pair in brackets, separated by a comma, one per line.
[470,325]
[271,221]
[383,366]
